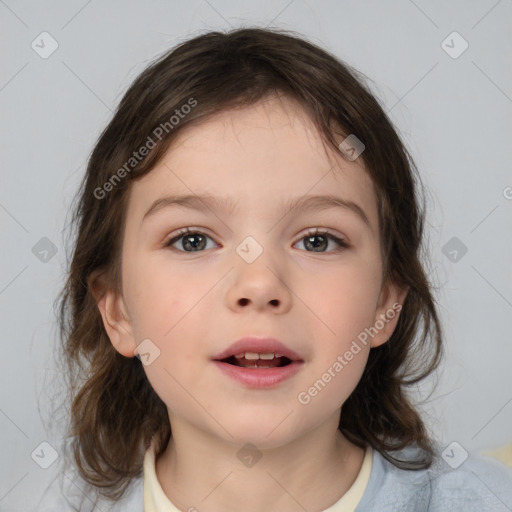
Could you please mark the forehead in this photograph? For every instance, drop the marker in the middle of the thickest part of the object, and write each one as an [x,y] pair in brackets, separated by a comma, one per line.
[261,156]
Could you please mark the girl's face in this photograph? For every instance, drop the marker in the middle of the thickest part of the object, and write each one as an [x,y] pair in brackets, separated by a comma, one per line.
[254,269]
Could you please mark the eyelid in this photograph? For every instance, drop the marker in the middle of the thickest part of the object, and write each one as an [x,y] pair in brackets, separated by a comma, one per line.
[324,232]
[176,235]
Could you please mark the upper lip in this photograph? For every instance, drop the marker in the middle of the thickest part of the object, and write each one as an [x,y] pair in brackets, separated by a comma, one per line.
[258,345]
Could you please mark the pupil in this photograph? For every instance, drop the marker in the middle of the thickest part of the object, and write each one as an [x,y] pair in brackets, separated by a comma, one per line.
[195,246]
[320,244]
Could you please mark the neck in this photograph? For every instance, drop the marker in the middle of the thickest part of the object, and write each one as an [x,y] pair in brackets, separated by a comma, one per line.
[198,471]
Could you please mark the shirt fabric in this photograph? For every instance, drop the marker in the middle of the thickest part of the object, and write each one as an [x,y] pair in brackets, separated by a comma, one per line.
[155,500]
[476,484]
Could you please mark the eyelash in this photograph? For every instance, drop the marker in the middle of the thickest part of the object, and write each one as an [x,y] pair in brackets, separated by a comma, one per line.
[312,233]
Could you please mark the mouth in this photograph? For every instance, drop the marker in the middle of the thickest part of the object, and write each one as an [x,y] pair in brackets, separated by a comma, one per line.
[254,360]
[258,362]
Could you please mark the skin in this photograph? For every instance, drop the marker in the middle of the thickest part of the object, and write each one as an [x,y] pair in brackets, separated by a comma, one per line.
[189,304]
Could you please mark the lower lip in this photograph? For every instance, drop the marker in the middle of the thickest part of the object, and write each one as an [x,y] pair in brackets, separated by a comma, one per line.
[260,377]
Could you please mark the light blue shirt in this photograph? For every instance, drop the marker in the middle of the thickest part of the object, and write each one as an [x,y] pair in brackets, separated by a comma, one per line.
[479,484]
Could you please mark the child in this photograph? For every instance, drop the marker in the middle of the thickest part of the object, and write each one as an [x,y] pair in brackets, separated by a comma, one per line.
[248,308]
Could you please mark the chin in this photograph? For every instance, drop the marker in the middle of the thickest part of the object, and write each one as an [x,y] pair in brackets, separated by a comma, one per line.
[264,432]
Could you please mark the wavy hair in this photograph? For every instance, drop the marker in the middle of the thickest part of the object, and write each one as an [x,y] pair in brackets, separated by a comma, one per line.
[114,412]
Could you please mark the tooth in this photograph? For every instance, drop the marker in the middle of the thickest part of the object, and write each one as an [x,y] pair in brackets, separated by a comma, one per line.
[252,355]
[240,356]
[267,356]
[278,355]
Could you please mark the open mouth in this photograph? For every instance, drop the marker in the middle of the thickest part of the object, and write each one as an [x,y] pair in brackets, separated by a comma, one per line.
[249,360]
[261,365]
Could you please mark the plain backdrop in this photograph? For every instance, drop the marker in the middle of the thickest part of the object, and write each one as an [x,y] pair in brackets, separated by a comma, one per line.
[451,104]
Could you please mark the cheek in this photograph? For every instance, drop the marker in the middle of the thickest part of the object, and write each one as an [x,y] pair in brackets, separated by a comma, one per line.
[160,297]
[166,309]
[347,309]
[348,298]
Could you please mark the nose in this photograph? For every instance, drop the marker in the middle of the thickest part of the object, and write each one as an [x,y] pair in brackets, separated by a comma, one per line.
[259,286]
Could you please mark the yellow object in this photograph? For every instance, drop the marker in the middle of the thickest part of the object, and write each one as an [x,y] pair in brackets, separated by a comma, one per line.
[503,454]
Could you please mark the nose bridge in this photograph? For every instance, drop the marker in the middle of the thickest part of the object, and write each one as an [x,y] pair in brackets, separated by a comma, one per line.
[257,258]
[256,232]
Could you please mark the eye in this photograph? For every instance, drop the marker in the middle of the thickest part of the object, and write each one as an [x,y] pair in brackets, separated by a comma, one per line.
[196,241]
[191,241]
[318,240]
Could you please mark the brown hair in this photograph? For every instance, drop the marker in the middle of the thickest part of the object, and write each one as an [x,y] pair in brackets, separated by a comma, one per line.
[114,410]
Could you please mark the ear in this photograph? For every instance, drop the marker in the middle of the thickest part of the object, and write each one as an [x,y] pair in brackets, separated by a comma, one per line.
[391,300]
[114,313]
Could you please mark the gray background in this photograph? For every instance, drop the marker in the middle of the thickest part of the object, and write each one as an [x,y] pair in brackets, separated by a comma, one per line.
[454,114]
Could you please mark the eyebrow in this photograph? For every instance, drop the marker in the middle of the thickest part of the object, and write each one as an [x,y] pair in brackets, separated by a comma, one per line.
[303,204]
